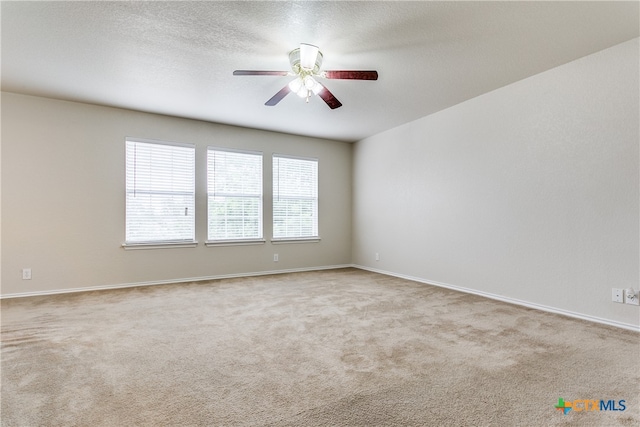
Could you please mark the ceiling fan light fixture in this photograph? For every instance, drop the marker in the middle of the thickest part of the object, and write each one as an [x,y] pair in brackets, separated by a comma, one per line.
[296,84]
[308,56]
[298,87]
[309,82]
[307,63]
[317,87]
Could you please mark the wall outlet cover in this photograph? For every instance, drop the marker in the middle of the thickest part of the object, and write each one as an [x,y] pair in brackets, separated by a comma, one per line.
[617,295]
[631,297]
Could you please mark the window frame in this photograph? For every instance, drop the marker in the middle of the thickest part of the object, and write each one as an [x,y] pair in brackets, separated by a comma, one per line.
[275,193]
[164,242]
[237,241]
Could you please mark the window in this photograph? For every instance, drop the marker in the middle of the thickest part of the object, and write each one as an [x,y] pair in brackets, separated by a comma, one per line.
[234,188]
[160,192]
[295,198]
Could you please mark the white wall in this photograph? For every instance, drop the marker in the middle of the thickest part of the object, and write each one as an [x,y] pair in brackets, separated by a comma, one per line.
[529,192]
[63,198]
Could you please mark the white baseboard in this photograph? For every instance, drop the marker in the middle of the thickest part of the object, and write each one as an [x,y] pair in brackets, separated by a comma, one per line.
[171,281]
[629,326]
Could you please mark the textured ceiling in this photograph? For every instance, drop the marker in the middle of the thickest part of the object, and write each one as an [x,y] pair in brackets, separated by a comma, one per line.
[177,58]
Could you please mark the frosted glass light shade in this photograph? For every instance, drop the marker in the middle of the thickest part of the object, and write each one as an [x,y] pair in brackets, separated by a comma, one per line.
[308,55]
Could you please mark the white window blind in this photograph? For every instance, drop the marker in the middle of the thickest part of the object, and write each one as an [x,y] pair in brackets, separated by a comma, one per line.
[160,187]
[234,188]
[295,198]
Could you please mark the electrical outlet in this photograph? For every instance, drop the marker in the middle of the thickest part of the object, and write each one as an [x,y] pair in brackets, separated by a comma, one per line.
[631,296]
[617,295]
[377,256]
[26,274]
[275,258]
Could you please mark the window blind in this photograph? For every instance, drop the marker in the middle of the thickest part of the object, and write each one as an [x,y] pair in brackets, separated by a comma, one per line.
[160,192]
[234,188]
[295,197]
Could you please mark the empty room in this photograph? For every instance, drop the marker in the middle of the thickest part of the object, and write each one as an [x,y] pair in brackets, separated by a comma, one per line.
[320,213]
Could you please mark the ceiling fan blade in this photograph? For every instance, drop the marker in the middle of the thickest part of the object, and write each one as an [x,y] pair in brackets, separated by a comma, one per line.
[259,73]
[351,74]
[328,97]
[278,96]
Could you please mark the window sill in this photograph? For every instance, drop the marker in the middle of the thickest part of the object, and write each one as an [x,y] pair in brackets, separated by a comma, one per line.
[239,242]
[295,240]
[163,245]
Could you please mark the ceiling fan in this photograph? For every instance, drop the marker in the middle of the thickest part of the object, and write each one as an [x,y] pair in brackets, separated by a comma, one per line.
[305,65]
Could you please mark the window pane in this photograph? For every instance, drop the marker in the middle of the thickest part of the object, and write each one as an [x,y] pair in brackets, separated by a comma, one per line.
[295,197]
[234,186]
[160,192]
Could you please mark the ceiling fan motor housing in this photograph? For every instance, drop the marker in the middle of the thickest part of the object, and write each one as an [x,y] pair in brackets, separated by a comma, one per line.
[294,60]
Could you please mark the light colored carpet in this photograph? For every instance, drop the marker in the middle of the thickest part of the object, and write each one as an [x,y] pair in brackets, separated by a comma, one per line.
[330,348]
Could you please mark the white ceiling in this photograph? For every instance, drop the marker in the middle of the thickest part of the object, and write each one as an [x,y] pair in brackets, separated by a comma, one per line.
[177,58]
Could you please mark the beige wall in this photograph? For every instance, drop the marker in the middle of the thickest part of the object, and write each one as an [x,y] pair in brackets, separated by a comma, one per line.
[529,192]
[63,198]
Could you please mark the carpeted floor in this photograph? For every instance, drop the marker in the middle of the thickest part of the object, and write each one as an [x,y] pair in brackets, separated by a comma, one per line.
[329,348]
